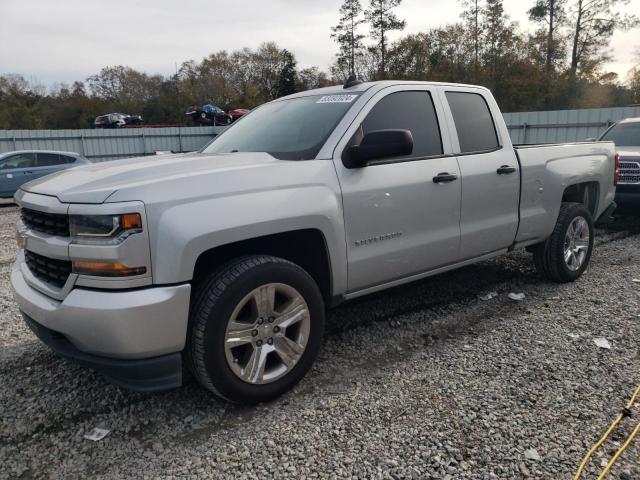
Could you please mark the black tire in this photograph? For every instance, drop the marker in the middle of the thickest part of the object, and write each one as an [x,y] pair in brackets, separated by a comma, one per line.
[213,303]
[549,255]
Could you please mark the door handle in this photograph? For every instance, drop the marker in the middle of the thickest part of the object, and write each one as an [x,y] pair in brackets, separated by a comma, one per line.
[505,170]
[444,177]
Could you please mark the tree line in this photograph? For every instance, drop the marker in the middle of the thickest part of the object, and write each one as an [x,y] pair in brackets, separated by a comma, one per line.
[560,64]
[241,79]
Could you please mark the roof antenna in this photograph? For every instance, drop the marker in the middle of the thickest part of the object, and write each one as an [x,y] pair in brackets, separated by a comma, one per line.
[352,81]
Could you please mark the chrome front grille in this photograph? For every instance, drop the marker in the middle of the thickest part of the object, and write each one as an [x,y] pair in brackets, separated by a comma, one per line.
[629,171]
[49,270]
[43,222]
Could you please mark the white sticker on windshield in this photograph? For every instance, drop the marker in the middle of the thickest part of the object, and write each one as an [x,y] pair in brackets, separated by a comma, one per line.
[337,99]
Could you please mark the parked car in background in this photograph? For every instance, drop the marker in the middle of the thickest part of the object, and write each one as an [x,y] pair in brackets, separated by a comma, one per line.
[208,114]
[17,168]
[626,135]
[236,113]
[117,120]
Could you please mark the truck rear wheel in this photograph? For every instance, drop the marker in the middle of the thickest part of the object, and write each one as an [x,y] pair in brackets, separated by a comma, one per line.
[565,255]
[256,326]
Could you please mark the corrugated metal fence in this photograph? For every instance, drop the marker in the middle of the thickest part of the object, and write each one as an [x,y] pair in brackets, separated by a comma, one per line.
[559,126]
[99,145]
[109,144]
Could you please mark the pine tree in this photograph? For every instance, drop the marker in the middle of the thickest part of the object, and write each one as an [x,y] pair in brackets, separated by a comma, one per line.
[471,16]
[346,35]
[288,73]
[494,20]
[382,20]
[594,24]
[499,43]
[551,13]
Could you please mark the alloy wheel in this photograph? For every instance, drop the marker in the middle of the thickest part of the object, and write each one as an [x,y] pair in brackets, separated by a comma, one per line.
[267,333]
[576,243]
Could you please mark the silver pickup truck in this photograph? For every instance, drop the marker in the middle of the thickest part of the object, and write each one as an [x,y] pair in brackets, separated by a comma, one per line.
[223,262]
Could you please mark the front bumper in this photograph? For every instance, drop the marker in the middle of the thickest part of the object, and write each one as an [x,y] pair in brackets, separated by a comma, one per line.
[628,196]
[143,375]
[106,329]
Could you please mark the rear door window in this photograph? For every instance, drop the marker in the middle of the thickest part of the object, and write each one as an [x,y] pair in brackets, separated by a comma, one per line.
[49,159]
[20,160]
[413,111]
[474,124]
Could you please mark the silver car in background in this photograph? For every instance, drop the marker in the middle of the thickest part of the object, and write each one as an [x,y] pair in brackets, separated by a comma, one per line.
[626,135]
[20,167]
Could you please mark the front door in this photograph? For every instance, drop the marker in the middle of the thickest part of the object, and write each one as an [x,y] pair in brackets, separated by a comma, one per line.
[398,220]
[14,171]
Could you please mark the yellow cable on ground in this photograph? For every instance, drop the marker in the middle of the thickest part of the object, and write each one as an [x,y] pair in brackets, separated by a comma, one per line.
[615,423]
[619,452]
[596,447]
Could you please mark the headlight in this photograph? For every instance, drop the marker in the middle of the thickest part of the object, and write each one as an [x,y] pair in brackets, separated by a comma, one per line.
[103,229]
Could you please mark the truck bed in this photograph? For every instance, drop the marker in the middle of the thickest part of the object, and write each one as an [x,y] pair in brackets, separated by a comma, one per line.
[546,171]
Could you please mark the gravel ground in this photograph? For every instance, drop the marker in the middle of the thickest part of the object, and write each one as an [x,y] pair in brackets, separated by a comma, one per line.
[423,381]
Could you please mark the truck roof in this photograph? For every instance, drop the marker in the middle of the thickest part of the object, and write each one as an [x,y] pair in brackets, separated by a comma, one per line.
[59,152]
[364,86]
[630,120]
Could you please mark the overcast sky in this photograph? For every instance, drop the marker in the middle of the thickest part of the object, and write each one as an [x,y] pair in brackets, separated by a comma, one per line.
[60,41]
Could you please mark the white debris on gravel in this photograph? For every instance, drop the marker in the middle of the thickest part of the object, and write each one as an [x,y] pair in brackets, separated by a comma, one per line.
[97,434]
[488,296]
[516,296]
[602,343]
[471,390]
[532,454]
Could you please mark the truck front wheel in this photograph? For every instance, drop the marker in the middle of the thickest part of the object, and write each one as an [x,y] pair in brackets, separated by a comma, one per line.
[565,255]
[255,328]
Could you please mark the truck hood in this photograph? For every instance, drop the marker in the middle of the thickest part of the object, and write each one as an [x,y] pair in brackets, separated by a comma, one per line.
[629,152]
[130,177]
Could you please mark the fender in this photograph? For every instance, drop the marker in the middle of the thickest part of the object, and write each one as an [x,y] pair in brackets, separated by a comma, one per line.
[184,231]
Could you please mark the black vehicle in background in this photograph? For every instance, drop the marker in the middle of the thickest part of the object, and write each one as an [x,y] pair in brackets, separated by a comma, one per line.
[208,115]
[117,120]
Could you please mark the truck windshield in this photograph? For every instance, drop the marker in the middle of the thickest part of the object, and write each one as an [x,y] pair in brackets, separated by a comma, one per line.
[293,129]
[624,135]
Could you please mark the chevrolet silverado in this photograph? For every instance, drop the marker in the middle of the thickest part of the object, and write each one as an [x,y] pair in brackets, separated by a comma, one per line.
[223,262]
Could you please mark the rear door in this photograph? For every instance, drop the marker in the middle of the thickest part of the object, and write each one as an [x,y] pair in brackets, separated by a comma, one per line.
[489,171]
[398,221]
[14,171]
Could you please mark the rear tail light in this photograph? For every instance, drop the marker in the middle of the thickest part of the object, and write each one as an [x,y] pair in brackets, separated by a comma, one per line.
[616,172]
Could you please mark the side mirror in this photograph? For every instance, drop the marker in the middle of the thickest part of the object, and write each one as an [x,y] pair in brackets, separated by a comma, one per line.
[376,145]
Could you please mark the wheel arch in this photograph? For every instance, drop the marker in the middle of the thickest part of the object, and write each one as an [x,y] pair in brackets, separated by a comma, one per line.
[587,193]
[306,248]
